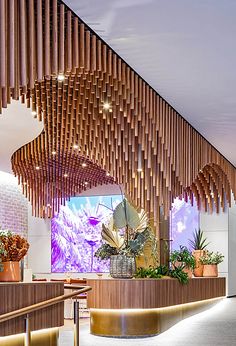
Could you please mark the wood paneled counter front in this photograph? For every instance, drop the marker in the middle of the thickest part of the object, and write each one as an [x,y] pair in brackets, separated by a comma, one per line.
[16,295]
[135,307]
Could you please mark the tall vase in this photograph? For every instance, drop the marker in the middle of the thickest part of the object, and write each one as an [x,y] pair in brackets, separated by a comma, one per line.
[11,272]
[122,267]
[198,271]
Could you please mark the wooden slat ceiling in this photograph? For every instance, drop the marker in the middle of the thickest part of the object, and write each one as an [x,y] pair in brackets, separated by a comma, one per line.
[40,40]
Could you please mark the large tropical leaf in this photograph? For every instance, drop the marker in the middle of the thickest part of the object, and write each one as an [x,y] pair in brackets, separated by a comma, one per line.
[112,237]
[143,221]
[126,215]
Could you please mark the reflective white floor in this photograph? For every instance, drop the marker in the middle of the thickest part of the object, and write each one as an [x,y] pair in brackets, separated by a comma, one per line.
[215,327]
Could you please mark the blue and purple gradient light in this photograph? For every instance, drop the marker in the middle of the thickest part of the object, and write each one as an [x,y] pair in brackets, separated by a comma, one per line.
[76,234]
[184,220]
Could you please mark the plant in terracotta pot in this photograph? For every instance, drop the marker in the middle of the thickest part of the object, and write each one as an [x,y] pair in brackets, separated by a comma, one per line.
[124,238]
[183,259]
[210,263]
[198,244]
[13,248]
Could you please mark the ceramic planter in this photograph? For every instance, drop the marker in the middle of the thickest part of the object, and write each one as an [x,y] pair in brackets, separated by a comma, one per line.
[11,271]
[198,271]
[122,267]
[210,270]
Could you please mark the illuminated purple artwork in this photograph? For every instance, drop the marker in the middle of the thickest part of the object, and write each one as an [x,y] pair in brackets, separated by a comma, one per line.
[184,219]
[76,234]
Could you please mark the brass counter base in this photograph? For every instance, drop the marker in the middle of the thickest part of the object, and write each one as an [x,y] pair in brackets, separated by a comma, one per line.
[142,322]
[45,337]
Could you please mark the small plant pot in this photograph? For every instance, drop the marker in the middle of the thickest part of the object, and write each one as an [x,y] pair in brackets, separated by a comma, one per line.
[186,270]
[210,270]
[198,270]
[11,272]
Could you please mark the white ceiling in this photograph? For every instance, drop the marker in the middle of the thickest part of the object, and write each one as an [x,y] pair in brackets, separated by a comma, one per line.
[185,49]
[17,127]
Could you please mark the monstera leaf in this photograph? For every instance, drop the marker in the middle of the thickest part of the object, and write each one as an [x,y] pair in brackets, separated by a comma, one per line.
[112,237]
[126,215]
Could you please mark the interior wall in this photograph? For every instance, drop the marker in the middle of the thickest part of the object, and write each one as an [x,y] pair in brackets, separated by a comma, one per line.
[13,205]
[232,250]
[39,236]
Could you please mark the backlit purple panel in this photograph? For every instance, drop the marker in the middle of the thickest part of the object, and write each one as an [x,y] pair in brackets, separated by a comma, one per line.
[76,234]
[184,219]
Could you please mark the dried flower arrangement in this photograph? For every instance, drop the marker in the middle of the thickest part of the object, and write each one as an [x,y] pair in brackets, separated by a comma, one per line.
[13,246]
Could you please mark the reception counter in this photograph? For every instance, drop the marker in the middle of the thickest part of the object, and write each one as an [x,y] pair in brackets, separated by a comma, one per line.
[144,307]
[15,296]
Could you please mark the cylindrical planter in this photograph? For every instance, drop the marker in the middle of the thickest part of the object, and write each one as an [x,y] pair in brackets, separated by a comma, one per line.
[198,270]
[122,267]
[11,271]
[210,270]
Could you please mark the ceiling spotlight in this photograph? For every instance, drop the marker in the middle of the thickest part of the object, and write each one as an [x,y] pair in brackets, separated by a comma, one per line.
[24,183]
[54,152]
[61,77]
[65,175]
[106,106]
[37,168]
[108,174]
[139,170]
[86,183]
[49,205]
[75,146]
[84,165]
[34,113]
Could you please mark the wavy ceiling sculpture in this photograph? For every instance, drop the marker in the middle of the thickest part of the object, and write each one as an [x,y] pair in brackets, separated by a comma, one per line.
[140,141]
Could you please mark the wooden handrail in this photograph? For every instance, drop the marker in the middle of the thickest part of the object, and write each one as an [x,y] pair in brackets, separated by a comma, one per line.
[28,309]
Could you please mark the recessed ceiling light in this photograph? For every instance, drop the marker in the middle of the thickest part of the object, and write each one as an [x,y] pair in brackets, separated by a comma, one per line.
[106,106]
[24,183]
[139,170]
[75,146]
[60,77]
[37,167]
[48,205]
[54,152]
[84,165]
[108,174]
[86,183]
[34,113]
[65,175]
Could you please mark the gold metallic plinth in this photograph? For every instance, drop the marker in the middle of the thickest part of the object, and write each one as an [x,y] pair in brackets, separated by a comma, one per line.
[142,322]
[45,337]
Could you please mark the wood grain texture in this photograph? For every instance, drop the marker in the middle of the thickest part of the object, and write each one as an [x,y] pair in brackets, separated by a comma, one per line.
[141,130]
[151,293]
[19,295]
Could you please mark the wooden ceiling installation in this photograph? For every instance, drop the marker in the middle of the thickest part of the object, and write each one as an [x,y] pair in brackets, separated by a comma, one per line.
[141,141]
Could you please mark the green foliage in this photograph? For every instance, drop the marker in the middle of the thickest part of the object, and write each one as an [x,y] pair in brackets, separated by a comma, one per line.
[212,258]
[137,244]
[184,257]
[198,242]
[160,271]
[179,274]
[105,251]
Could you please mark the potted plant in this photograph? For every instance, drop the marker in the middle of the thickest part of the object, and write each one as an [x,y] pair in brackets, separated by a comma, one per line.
[124,239]
[210,263]
[198,244]
[12,249]
[183,259]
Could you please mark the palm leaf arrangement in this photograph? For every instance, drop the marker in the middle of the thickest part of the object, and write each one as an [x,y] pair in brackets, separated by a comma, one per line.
[198,242]
[126,233]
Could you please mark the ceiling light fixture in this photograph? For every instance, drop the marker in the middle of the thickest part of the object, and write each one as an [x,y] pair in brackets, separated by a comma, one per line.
[84,165]
[37,167]
[106,106]
[34,113]
[54,152]
[61,77]
[86,183]
[139,170]
[75,146]
[108,174]
[65,175]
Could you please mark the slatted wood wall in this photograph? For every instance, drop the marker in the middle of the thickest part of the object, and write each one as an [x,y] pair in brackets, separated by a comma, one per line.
[40,40]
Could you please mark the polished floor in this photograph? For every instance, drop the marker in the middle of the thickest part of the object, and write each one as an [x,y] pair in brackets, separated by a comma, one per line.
[215,327]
